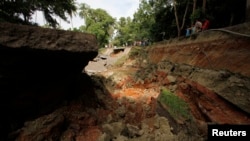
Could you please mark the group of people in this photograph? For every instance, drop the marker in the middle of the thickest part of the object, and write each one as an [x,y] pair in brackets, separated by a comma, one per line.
[197,27]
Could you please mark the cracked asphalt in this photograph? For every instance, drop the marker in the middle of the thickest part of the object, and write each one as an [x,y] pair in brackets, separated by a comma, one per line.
[102,61]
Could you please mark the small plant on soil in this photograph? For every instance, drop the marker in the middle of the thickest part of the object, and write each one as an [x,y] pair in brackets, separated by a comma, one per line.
[138,53]
[120,61]
[176,107]
[101,50]
[134,52]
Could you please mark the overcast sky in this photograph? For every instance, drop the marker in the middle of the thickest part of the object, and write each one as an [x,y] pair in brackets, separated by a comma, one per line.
[116,8]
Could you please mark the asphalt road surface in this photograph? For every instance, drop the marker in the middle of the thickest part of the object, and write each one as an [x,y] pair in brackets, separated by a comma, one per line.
[102,61]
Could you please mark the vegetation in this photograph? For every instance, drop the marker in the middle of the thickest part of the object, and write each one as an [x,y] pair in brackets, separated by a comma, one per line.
[137,29]
[20,11]
[154,20]
[135,52]
[101,50]
[97,22]
[121,61]
[176,106]
[125,34]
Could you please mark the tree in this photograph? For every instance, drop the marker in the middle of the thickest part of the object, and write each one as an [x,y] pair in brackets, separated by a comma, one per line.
[143,20]
[225,12]
[194,5]
[204,3]
[164,26]
[180,27]
[248,10]
[20,11]
[97,22]
[125,33]
[137,28]
[169,15]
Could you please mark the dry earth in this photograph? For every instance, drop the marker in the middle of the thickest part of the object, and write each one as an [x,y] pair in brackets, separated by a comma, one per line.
[210,72]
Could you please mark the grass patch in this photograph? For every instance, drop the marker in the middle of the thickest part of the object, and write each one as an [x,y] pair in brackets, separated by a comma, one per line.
[138,52]
[177,108]
[101,50]
[120,61]
[134,52]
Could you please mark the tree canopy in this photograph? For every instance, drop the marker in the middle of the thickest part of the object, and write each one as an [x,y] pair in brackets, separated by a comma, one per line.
[173,16]
[20,11]
[97,22]
[155,20]
[164,19]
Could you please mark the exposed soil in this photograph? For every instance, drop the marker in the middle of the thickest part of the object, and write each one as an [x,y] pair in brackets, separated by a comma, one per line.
[202,70]
[210,72]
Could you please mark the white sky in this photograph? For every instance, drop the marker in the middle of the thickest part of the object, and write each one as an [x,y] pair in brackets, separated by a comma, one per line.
[116,8]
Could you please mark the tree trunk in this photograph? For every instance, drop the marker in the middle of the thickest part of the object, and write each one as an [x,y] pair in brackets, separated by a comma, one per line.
[194,5]
[231,19]
[248,11]
[176,19]
[179,28]
[184,16]
[204,2]
[194,8]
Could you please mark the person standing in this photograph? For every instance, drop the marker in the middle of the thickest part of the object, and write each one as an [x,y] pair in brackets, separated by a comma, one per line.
[198,26]
[205,24]
[188,32]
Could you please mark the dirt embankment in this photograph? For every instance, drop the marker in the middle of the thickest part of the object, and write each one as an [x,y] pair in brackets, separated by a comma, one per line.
[209,72]
[216,60]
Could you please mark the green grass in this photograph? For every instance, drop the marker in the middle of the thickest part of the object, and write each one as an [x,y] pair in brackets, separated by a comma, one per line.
[135,52]
[120,61]
[101,50]
[176,106]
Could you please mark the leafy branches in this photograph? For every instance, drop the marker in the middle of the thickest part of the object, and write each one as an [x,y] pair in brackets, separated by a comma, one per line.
[136,29]
[20,11]
[97,22]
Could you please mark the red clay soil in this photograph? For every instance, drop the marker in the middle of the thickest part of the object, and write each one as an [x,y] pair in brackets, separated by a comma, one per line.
[210,50]
[231,53]
[134,100]
[209,107]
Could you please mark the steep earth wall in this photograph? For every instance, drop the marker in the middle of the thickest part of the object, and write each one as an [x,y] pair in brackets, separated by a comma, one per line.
[122,105]
[210,70]
[39,70]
